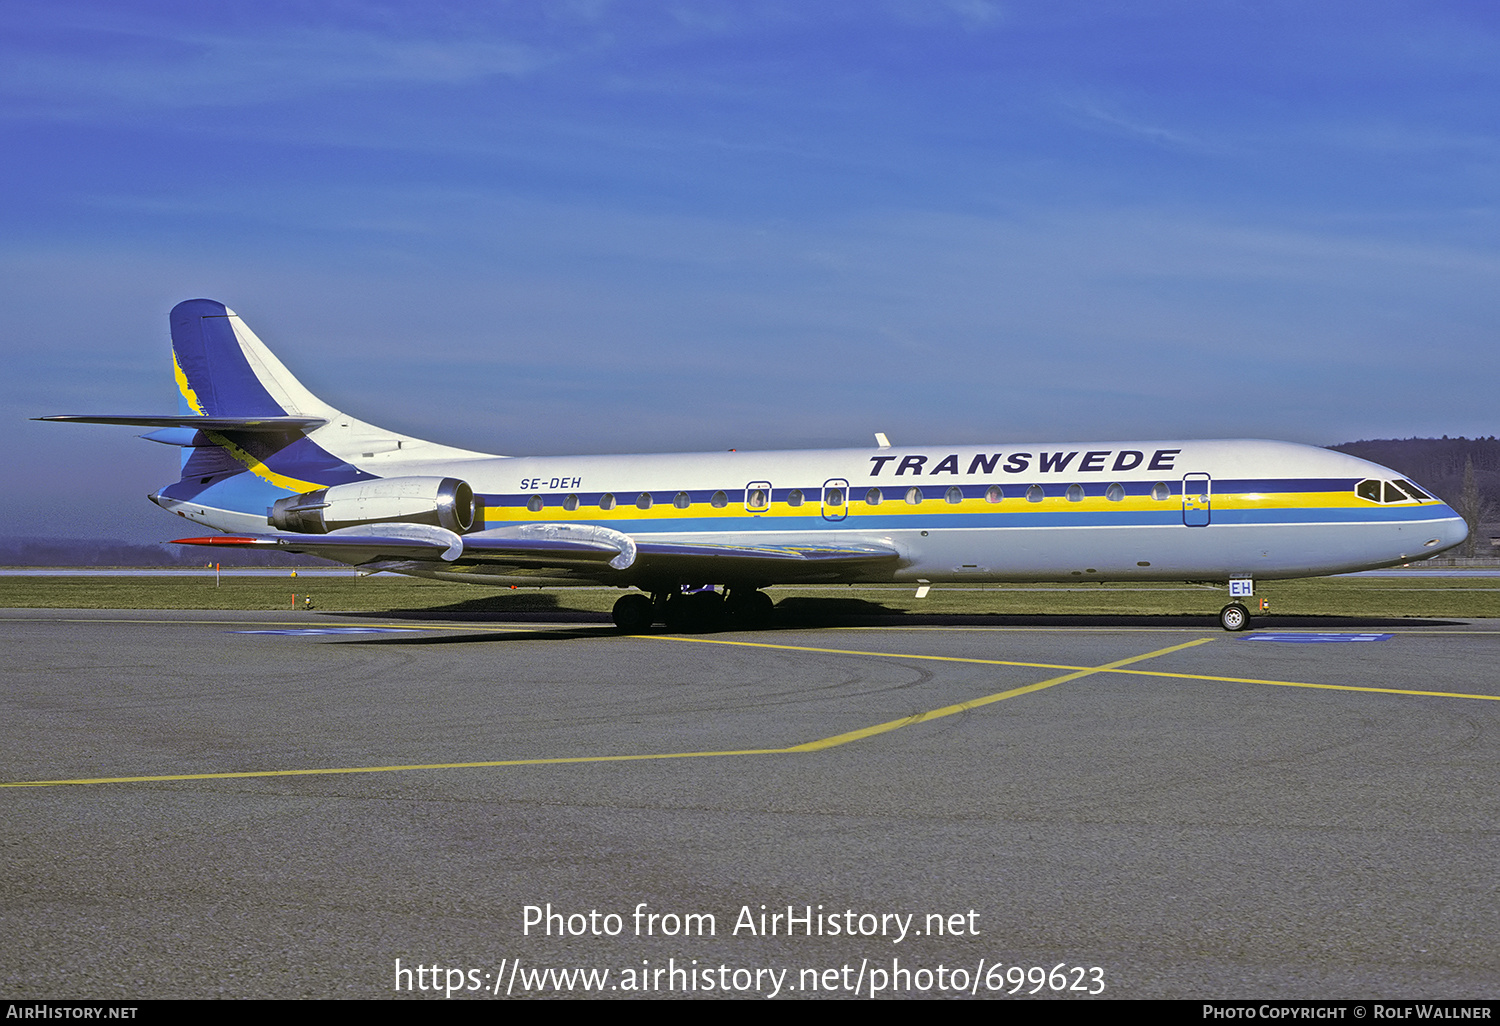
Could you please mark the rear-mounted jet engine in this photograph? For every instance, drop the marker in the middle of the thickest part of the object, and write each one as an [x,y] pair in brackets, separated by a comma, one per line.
[444,501]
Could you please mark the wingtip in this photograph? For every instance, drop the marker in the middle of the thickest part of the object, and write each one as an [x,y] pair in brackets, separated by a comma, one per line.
[223,539]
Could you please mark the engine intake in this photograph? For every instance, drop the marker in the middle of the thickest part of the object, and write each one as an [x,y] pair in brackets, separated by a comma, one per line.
[444,501]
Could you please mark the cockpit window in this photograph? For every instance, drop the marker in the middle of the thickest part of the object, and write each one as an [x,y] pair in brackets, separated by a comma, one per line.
[1390,491]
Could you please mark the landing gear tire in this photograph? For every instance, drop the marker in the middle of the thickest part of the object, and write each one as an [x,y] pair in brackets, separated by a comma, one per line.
[1234,617]
[751,609]
[633,613]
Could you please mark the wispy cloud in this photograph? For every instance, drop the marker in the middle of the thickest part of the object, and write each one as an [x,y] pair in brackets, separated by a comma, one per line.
[1093,114]
[193,69]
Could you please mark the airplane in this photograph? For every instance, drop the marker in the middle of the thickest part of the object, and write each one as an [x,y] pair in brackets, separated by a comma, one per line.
[695,537]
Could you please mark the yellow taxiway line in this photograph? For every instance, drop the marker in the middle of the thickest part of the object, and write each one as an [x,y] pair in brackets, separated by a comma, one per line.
[1112,668]
[811,746]
[1074,673]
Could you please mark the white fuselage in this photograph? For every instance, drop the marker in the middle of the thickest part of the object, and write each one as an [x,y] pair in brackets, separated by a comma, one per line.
[1157,510]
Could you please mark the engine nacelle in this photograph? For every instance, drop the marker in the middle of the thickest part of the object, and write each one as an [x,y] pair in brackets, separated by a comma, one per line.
[444,501]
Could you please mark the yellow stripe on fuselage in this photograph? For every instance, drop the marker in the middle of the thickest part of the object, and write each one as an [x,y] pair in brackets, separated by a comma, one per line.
[937,506]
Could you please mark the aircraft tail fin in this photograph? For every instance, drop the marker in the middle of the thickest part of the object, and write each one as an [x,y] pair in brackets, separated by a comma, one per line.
[224,370]
[250,433]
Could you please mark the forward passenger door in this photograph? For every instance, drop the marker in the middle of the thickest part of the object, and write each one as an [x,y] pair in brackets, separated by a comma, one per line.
[1197,500]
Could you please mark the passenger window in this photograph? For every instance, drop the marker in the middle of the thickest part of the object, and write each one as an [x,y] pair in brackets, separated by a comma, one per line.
[1368,490]
[954,496]
[994,494]
[681,500]
[719,501]
[1160,491]
[643,500]
[1075,493]
[913,496]
[606,501]
[534,504]
[1035,494]
[873,497]
[794,497]
[570,503]
[833,497]
[755,498]
[1115,493]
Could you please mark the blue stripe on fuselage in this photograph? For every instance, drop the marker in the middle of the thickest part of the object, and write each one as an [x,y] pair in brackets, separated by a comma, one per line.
[1171,517]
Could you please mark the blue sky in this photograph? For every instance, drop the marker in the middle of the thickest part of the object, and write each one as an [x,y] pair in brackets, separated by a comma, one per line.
[643,226]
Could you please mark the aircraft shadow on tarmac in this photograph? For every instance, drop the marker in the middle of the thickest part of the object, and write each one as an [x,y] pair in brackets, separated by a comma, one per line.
[812,613]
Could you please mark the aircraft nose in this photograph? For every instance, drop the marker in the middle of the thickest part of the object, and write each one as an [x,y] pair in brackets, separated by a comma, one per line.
[1452,532]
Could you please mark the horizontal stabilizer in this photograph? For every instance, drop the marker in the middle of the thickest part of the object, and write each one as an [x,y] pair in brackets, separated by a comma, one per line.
[267,424]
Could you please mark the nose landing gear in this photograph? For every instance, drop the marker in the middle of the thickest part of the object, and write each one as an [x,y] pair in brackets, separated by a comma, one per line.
[1234,617]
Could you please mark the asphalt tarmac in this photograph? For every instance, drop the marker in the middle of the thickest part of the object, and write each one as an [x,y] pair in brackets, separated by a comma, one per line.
[1132,811]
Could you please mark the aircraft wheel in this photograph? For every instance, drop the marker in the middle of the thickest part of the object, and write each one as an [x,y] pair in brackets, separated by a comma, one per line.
[633,613]
[750,608]
[1234,617]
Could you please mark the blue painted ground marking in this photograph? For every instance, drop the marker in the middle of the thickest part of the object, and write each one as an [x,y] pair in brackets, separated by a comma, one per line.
[1309,638]
[331,630]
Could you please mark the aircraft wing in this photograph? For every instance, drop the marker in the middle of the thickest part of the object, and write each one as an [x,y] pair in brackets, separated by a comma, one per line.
[395,542]
[372,543]
[582,551]
[731,563]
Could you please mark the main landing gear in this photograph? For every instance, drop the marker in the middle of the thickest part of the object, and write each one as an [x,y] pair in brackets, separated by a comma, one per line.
[634,613]
[693,611]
